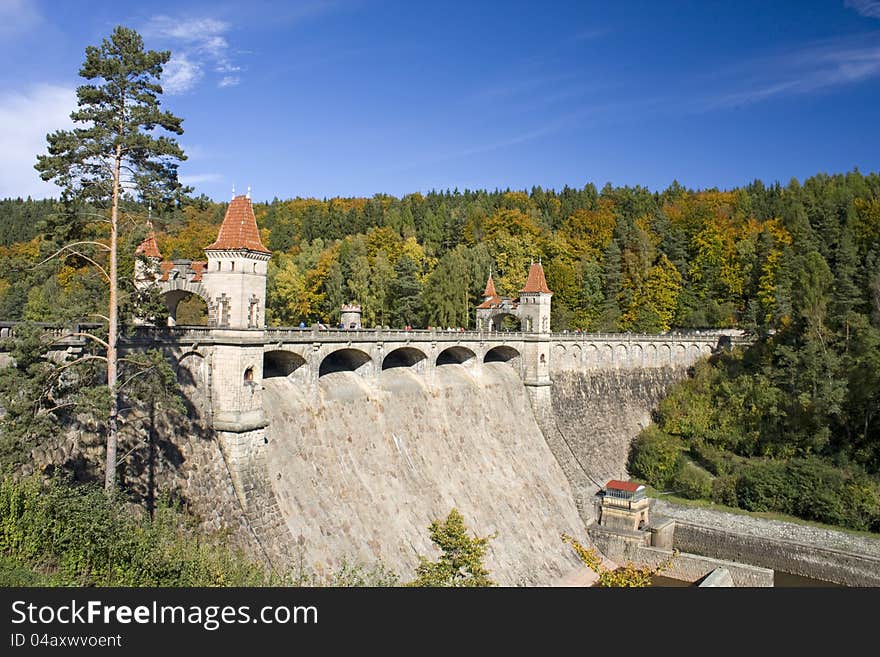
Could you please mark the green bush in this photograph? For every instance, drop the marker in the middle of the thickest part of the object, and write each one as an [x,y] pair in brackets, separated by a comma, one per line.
[764,486]
[77,536]
[724,490]
[654,456]
[691,481]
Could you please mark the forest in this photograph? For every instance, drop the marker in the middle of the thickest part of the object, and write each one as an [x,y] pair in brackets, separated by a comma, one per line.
[789,425]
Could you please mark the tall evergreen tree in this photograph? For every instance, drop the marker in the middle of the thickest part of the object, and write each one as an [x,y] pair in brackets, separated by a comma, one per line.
[406,291]
[115,154]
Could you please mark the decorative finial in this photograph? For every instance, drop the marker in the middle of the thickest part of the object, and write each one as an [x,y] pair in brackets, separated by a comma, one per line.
[248,192]
[233,190]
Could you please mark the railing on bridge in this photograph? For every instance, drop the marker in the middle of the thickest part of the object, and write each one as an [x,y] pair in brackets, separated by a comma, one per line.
[315,334]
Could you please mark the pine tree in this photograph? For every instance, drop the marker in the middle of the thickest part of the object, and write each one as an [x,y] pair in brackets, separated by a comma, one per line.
[112,155]
[406,290]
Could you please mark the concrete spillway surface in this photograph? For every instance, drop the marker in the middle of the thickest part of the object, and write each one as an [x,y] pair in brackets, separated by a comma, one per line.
[361,467]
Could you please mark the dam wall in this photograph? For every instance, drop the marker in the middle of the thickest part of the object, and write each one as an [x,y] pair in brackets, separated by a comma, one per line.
[589,419]
[360,468]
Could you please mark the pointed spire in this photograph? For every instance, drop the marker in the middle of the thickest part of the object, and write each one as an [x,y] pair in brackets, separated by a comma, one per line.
[490,287]
[536,282]
[149,247]
[239,229]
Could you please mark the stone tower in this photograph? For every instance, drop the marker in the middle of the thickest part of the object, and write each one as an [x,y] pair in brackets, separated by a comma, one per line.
[235,283]
[351,316]
[146,269]
[534,301]
[235,275]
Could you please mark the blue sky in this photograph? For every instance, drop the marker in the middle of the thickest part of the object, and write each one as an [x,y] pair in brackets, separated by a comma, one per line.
[358,97]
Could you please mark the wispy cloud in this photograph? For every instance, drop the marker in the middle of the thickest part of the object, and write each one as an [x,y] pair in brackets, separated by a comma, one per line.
[25,120]
[814,68]
[181,74]
[198,178]
[17,16]
[198,45]
[869,8]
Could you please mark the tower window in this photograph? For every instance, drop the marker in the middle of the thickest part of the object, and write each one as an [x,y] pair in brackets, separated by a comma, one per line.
[249,375]
[233,265]
[255,267]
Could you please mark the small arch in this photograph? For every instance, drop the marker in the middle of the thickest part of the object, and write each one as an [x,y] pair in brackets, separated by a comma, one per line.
[281,363]
[636,355]
[185,308]
[344,360]
[455,356]
[501,354]
[403,357]
[192,376]
[249,374]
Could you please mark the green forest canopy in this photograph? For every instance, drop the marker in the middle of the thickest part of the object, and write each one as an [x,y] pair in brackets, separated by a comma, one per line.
[622,258]
[792,425]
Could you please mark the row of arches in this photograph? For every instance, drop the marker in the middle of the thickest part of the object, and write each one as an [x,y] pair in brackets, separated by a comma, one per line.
[626,355]
[286,363]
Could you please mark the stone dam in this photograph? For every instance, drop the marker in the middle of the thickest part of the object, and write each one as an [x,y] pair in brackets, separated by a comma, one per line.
[359,468]
[322,464]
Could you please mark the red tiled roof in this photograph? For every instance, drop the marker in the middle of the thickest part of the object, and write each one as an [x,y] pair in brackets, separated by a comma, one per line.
[536,281]
[198,268]
[490,288]
[239,229]
[491,302]
[149,247]
[628,486]
[165,267]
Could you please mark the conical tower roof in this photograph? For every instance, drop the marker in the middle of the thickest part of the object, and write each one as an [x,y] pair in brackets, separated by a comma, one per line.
[239,229]
[536,282]
[149,247]
[490,288]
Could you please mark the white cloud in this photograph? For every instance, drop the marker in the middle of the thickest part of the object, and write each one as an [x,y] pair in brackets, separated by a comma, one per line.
[197,44]
[16,16]
[198,178]
[181,74]
[815,68]
[869,8]
[25,120]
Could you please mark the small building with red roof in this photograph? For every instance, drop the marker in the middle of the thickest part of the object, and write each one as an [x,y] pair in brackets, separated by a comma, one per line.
[531,309]
[231,280]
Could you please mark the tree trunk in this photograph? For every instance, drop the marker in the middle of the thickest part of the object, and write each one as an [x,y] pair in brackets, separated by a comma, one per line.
[112,359]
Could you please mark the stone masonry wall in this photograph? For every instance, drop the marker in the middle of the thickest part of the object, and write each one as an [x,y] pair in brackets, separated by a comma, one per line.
[815,552]
[593,417]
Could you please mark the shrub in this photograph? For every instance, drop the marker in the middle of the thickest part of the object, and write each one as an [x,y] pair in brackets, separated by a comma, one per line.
[654,456]
[691,481]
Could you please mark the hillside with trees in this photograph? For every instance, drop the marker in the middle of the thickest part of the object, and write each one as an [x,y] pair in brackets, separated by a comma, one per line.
[791,425]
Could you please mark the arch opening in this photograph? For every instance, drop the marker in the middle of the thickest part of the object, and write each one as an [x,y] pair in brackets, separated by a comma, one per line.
[344,360]
[281,363]
[403,357]
[501,354]
[185,308]
[455,356]
[504,321]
